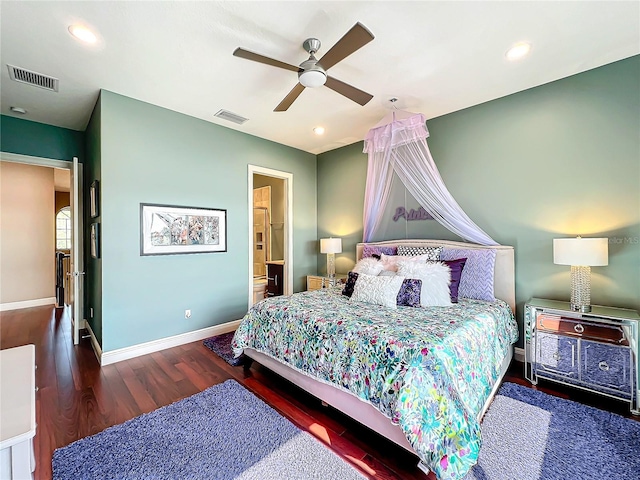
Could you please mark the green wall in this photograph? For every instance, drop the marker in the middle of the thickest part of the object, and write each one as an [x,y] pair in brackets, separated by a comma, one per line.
[40,140]
[152,155]
[92,266]
[558,160]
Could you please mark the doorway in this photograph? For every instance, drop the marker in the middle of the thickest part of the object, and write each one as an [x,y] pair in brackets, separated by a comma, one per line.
[63,175]
[270,230]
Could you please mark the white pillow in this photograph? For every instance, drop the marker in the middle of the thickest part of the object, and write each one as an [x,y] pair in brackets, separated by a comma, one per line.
[435,277]
[377,290]
[368,266]
[390,262]
[387,273]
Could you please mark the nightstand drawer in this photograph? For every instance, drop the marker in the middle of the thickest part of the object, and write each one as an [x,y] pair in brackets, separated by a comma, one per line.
[581,328]
[607,366]
[314,283]
[556,355]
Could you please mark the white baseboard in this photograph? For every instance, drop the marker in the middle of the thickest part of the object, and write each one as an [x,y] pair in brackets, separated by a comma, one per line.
[38,302]
[518,354]
[94,341]
[113,356]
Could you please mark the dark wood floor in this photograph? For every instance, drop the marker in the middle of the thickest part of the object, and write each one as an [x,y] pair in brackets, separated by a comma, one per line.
[77,398]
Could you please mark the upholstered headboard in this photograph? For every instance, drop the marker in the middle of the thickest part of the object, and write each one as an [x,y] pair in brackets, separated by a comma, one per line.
[504,283]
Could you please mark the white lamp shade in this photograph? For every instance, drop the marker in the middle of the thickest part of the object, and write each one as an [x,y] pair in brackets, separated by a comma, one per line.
[588,252]
[330,245]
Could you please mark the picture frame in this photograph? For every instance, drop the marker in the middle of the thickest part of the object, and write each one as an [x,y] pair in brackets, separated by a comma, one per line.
[95,240]
[174,230]
[94,200]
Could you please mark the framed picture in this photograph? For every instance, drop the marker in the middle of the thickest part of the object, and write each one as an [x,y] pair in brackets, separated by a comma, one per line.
[95,240]
[94,199]
[171,230]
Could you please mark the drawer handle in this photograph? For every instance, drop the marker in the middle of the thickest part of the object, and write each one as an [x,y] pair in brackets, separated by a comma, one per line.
[578,328]
[603,366]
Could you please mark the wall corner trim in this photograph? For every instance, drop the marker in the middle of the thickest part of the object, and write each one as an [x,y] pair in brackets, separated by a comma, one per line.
[113,356]
[38,302]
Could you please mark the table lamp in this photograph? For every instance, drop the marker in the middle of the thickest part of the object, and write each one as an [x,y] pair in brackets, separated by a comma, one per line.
[331,246]
[581,254]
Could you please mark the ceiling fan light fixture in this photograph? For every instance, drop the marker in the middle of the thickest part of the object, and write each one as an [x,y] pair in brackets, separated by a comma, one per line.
[312,78]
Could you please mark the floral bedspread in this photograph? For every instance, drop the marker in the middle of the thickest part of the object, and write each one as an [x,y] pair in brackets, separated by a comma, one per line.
[430,370]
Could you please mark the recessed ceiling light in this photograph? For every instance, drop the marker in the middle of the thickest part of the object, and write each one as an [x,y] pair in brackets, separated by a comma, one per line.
[82,33]
[19,110]
[318,130]
[518,51]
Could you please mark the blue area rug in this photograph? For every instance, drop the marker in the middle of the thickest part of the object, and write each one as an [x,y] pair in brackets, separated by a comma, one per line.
[224,432]
[529,435]
[221,345]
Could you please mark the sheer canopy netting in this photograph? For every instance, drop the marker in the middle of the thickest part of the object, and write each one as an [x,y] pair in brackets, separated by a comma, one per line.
[401,146]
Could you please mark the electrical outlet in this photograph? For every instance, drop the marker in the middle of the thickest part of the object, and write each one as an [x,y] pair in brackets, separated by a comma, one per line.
[187,313]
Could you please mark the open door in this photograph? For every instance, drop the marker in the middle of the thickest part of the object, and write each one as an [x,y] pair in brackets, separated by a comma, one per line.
[281,233]
[77,263]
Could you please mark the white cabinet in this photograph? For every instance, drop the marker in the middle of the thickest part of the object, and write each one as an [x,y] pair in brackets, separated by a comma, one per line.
[17,412]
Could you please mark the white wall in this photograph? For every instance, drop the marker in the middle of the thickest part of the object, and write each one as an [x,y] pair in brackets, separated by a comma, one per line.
[278,196]
[27,246]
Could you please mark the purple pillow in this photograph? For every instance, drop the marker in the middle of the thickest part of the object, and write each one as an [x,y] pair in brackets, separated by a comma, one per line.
[408,296]
[371,250]
[476,280]
[456,267]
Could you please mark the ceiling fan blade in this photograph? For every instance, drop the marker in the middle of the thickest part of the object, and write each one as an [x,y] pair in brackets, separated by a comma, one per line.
[348,91]
[290,98]
[354,39]
[256,57]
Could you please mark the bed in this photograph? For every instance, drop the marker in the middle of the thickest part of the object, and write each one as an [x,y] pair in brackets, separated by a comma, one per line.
[424,385]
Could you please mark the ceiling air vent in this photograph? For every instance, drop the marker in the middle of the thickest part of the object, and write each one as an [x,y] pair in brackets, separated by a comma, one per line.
[230,116]
[32,78]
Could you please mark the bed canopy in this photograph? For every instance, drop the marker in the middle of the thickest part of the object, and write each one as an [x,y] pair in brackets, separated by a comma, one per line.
[401,146]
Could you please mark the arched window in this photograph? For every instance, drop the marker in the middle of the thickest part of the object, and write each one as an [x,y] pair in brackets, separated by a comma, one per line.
[63,229]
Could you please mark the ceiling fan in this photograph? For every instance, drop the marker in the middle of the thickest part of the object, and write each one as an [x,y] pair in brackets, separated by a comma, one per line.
[312,72]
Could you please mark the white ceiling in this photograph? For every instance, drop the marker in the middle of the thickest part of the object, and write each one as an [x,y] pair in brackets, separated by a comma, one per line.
[436,57]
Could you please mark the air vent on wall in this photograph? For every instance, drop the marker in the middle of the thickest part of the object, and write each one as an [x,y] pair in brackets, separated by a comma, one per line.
[232,117]
[33,78]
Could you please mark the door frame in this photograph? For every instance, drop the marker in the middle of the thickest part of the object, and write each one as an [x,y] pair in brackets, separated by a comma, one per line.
[78,225]
[288,225]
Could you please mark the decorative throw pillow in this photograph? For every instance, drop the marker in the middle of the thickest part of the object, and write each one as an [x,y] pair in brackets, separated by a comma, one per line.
[477,276]
[377,290]
[390,262]
[371,250]
[351,283]
[408,296]
[368,266]
[432,252]
[387,273]
[435,278]
[456,267]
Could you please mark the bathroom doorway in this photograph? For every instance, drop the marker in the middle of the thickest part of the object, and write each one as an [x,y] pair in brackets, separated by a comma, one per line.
[270,233]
